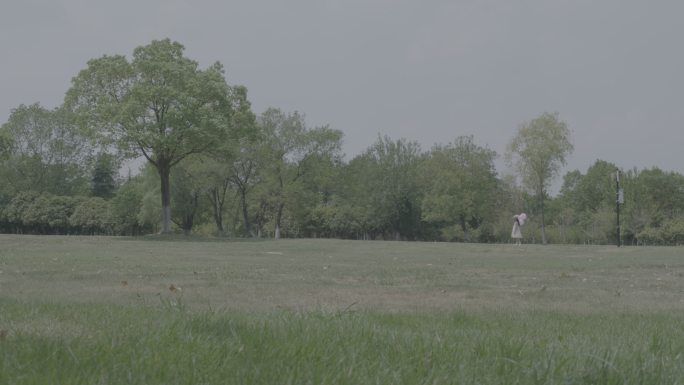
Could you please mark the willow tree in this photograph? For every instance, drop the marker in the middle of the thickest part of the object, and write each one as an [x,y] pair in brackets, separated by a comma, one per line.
[538,151]
[159,105]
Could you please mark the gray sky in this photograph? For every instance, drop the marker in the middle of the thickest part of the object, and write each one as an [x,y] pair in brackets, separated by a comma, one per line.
[426,70]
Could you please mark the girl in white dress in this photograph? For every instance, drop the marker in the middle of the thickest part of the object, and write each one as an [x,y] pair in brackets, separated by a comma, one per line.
[518,222]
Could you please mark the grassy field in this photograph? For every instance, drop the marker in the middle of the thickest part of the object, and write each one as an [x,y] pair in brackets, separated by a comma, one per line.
[79,310]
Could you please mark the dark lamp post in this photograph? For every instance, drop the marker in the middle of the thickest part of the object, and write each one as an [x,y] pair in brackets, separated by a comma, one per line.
[619,199]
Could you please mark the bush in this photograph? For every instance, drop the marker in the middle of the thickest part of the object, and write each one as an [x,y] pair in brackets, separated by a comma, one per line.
[92,217]
[14,212]
[40,214]
[673,231]
[125,208]
[650,236]
[670,233]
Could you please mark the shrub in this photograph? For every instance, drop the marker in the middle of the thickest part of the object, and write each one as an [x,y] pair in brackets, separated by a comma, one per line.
[650,236]
[92,217]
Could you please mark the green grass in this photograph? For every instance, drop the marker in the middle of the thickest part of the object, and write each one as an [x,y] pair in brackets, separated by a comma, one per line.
[125,311]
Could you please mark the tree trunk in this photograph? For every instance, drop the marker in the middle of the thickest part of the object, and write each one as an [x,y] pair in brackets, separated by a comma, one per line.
[164,174]
[189,219]
[279,216]
[245,214]
[464,228]
[218,210]
[543,233]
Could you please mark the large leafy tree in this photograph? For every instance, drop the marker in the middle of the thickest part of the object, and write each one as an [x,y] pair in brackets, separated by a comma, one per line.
[461,185]
[356,210]
[159,105]
[537,151]
[390,192]
[43,152]
[584,210]
[242,175]
[664,190]
[234,163]
[592,191]
[290,153]
[652,198]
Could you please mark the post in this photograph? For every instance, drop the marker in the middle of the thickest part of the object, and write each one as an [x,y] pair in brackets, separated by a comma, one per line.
[617,204]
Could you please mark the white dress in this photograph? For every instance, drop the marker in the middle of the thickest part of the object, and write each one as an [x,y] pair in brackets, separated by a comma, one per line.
[518,220]
[516,233]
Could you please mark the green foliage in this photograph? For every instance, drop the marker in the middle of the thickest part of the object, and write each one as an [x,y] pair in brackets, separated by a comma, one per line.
[273,175]
[49,214]
[14,212]
[664,191]
[650,236]
[460,186]
[355,206]
[104,175]
[42,151]
[593,190]
[653,199]
[126,206]
[159,105]
[294,159]
[243,176]
[538,151]
[186,194]
[6,142]
[148,214]
[92,216]
[392,191]
[233,165]
[671,232]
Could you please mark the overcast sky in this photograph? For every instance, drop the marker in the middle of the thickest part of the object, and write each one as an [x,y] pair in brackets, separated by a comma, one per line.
[427,70]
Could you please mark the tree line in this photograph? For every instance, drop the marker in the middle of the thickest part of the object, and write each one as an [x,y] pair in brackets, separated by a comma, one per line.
[214,167]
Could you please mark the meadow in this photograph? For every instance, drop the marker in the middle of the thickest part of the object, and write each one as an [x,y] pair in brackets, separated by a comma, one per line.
[167,310]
